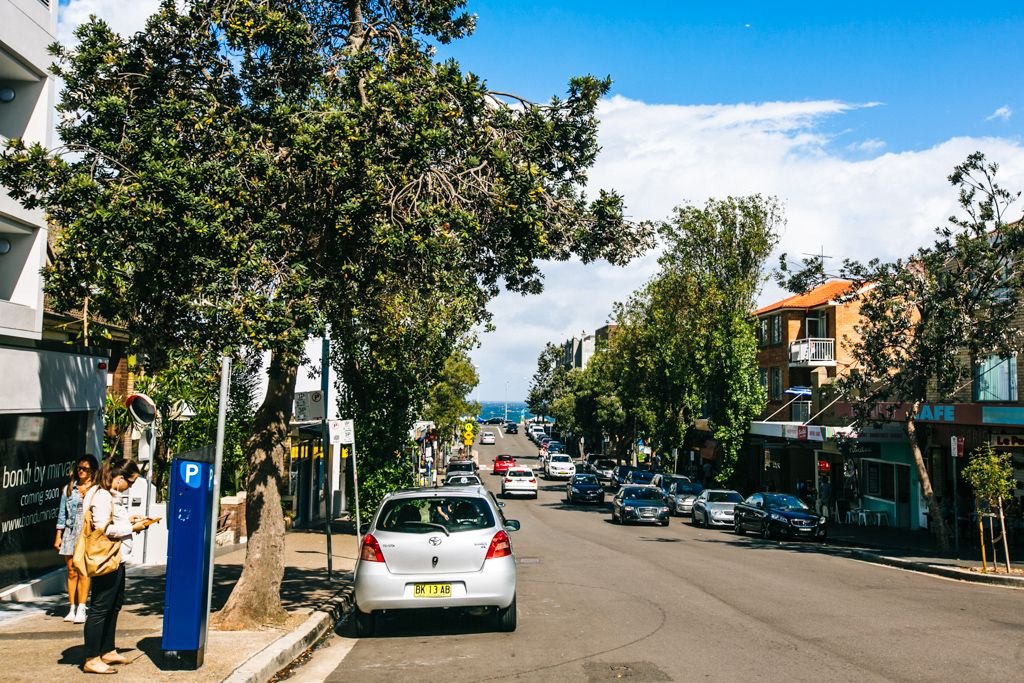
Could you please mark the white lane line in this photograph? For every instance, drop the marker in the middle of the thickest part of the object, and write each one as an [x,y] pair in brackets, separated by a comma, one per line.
[325,661]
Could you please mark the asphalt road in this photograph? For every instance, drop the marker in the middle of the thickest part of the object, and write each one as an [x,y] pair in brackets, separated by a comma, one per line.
[599,602]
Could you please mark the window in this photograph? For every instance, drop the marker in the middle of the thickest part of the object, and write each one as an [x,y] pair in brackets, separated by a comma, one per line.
[762,332]
[880,480]
[816,325]
[762,374]
[995,379]
[775,390]
[776,329]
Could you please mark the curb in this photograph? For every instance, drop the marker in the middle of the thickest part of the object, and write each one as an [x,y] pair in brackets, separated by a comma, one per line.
[262,666]
[939,570]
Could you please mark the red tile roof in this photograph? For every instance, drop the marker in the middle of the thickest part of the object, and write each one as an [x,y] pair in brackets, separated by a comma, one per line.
[820,295]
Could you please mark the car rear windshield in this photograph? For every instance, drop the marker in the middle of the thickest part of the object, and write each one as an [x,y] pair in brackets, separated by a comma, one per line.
[519,473]
[642,477]
[724,497]
[505,457]
[690,489]
[605,464]
[643,494]
[462,480]
[460,466]
[424,515]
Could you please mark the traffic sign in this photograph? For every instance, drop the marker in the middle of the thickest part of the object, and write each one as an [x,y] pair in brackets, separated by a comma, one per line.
[348,431]
[310,405]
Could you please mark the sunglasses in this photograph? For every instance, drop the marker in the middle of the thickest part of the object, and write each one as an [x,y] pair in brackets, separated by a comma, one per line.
[85,469]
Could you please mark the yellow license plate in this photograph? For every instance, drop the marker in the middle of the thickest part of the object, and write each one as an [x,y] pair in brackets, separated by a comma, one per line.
[432,590]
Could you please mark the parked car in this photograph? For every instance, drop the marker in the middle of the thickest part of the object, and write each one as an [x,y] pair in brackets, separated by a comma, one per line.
[779,515]
[603,469]
[584,488]
[665,481]
[559,466]
[555,446]
[429,548]
[715,507]
[495,421]
[641,504]
[519,480]
[502,463]
[682,495]
[462,480]
[511,428]
[639,478]
[487,439]
[620,474]
[460,467]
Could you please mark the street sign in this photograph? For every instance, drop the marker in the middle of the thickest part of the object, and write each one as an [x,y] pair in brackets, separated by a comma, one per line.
[310,405]
[334,429]
[956,446]
[348,431]
[467,440]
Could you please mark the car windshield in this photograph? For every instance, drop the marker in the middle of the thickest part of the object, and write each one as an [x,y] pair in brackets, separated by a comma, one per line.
[724,497]
[427,514]
[784,502]
[584,479]
[605,464]
[461,466]
[642,477]
[561,458]
[642,494]
[689,489]
[666,482]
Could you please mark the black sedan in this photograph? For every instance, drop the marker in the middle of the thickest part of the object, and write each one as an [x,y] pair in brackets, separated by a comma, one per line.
[584,488]
[511,428]
[619,475]
[778,515]
[639,504]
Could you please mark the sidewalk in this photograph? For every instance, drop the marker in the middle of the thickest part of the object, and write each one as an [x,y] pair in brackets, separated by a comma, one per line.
[37,645]
[917,550]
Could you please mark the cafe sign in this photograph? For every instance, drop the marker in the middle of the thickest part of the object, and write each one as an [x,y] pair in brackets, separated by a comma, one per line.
[1008,440]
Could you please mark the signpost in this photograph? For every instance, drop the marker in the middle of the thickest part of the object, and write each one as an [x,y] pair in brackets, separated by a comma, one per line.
[347,430]
[310,406]
[956,446]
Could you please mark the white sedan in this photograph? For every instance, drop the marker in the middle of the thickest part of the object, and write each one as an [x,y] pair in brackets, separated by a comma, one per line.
[559,466]
[487,439]
[519,480]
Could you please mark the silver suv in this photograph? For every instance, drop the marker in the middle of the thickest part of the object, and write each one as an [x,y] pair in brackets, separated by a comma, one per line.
[432,547]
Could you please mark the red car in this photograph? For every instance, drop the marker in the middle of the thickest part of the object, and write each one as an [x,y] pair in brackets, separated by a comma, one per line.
[502,463]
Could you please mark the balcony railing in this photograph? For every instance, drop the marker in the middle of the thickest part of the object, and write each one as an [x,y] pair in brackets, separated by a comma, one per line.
[812,352]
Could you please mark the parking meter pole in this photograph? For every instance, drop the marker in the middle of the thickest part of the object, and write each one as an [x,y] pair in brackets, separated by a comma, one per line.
[325,385]
[956,514]
[218,465]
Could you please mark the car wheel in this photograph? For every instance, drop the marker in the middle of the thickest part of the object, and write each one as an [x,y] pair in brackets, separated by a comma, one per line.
[738,528]
[693,520]
[706,523]
[366,623]
[665,523]
[505,617]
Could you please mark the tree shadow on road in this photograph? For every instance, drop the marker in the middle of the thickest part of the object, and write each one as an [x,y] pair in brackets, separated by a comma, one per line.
[603,508]
[422,622]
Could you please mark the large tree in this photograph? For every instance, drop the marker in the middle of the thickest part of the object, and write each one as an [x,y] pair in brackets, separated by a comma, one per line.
[241,172]
[930,320]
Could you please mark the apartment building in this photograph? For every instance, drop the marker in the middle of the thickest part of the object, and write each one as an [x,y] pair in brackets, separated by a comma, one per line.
[51,393]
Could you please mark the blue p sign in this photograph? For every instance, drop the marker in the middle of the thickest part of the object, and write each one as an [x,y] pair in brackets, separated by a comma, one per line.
[189,472]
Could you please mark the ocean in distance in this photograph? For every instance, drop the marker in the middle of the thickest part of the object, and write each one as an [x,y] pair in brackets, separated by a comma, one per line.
[517,410]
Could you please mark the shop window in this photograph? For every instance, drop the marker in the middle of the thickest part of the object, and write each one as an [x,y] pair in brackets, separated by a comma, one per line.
[775,389]
[995,379]
[879,480]
[776,323]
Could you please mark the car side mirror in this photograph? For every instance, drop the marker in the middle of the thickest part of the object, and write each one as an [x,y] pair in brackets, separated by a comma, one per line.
[512,525]
[500,504]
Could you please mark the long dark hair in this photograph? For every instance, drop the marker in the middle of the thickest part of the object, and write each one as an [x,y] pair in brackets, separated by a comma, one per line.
[73,479]
[116,467]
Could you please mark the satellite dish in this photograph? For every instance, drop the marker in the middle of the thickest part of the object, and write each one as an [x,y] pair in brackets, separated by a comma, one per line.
[142,409]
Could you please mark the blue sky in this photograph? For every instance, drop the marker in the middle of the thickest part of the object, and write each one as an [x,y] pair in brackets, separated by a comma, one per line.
[851,114]
[939,68]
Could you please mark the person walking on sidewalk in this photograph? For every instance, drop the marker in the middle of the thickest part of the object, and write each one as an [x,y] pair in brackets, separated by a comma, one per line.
[109,512]
[69,527]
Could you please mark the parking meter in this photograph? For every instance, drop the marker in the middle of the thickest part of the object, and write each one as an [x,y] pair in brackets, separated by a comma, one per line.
[188,565]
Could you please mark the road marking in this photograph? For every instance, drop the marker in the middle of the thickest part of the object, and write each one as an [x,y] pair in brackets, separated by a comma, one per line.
[325,661]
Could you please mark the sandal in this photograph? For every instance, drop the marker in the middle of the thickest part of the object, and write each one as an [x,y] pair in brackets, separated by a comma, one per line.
[116,659]
[105,670]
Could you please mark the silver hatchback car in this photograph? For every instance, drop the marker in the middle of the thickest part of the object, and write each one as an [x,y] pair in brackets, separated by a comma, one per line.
[430,547]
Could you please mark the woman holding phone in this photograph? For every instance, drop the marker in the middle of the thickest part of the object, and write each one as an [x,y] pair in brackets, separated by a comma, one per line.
[109,512]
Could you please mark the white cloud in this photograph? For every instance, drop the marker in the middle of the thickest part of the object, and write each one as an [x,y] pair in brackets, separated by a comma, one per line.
[123,17]
[659,156]
[872,146]
[1003,114]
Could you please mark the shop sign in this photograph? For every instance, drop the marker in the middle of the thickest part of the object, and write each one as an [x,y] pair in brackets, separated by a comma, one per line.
[803,433]
[1007,440]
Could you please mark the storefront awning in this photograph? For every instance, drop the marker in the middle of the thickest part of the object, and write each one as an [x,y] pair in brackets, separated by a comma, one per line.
[797,431]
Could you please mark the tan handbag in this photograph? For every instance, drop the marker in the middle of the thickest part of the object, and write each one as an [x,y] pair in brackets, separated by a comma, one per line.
[95,553]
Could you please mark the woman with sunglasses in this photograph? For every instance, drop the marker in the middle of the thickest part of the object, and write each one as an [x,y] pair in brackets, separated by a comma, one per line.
[109,512]
[69,527]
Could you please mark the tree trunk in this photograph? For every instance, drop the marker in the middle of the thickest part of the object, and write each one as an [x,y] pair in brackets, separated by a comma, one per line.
[939,528]
[981,536]
[1006,546]
[256,598]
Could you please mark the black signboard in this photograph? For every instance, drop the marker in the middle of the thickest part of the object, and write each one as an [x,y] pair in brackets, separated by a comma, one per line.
[36,456]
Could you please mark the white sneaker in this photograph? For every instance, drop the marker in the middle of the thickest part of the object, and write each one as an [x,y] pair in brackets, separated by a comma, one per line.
[80,616]
[71,614]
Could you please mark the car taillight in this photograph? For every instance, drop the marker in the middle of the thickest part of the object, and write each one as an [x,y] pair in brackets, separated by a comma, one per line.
[500,546]
[533,481]
[508,480]
[371,549]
